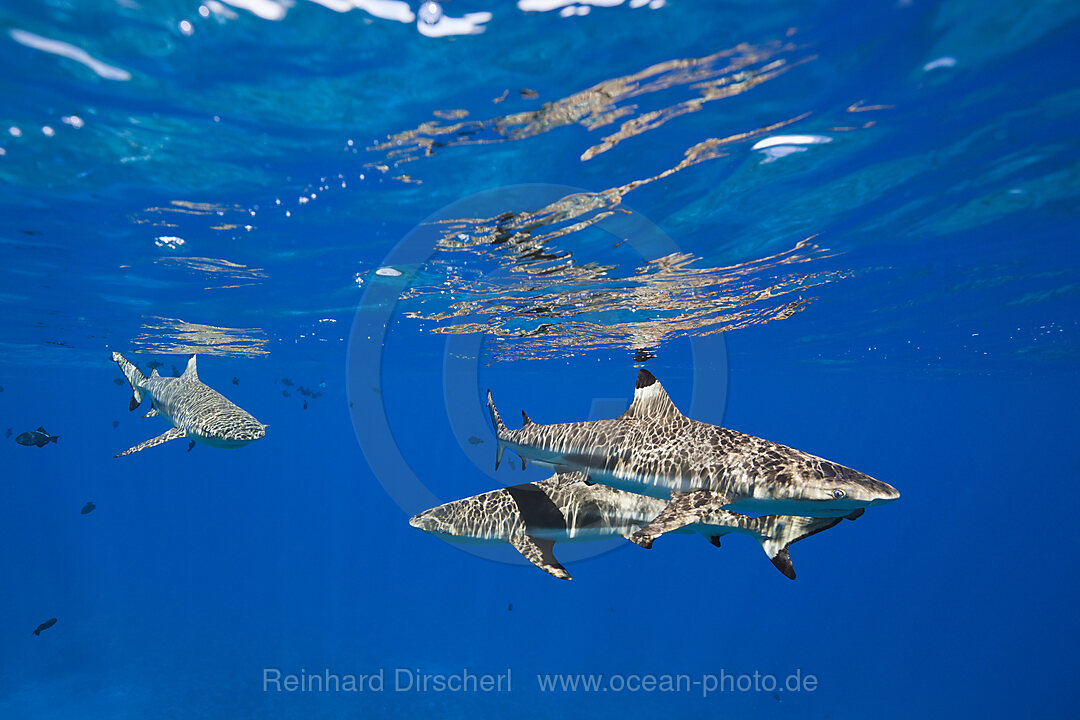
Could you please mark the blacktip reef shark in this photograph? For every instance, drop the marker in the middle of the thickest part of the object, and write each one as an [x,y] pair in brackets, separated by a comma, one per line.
[196,411]
[565,508]
[655,450]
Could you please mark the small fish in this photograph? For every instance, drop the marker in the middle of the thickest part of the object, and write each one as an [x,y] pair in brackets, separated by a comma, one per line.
[190,445]
[1,388]
[305,404]
[39,437]
[510,607]
[8,433]
[350,405]
[528,93]
[236,381]
[286,381]
[118,381]
[286,393]
[45,625]
[88,508]
[175,372]
[154,364]
[642,355]
[473,440]
[115,424]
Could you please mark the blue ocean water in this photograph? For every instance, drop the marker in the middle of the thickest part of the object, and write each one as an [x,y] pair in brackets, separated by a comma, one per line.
[847,227]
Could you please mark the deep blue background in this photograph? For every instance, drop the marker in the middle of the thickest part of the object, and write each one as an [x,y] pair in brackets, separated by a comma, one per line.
[940,358]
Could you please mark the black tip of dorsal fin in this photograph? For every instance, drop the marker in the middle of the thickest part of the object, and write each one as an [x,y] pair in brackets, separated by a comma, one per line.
[650,399]
[41,429]
[644,379]
[525,419]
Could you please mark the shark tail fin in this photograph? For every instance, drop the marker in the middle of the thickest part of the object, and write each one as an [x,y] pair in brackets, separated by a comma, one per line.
[54,438]
[783,530]
[500,430]
[134,378]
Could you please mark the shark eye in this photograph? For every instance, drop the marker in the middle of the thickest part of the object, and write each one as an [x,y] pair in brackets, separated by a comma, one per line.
[838,494]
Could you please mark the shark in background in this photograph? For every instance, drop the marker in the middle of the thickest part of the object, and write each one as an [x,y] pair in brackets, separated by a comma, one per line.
[565,508]
[655,450]
[196,411]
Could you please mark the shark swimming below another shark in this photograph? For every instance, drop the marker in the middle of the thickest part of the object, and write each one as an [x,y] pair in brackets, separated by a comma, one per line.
[654,449]
[196,411]
[565,508]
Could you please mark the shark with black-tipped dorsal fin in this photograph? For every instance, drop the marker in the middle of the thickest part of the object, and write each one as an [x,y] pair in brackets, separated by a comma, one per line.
[196,411]
[654,449]
[565,508]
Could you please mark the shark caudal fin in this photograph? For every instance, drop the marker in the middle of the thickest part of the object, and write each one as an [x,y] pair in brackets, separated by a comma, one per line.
[779,531]
[134,378]
[500,430]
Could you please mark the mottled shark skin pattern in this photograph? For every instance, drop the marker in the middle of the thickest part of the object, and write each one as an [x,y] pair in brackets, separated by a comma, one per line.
[566,508]
[196,411]
[655,450]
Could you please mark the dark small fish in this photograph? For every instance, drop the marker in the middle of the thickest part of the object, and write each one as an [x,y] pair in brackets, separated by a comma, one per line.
[236,381]
[115,424]
[286,381]
[175,372]
[305,404]
[39,437]
[1,388]
[286,393]
[642,355]
[776,696]
[510,607]
[350,405]
[88,508]
[190,445]
[473,440]
[118,381]
[527,93]
[45,625]
[8,433]
[154,364]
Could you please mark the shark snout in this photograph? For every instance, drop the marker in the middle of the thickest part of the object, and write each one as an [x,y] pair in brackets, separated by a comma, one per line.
[424,521]
[884,494]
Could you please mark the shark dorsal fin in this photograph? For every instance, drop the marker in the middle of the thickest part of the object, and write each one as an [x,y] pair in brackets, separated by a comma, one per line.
[191,372]
[650,399]
[155,373]
[525,420]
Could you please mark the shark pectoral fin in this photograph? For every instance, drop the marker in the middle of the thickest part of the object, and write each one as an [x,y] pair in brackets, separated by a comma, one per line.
[170,434]
[714,539]
[684,509]
[782,562]
[540,552]
[780,531]
[855,514]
